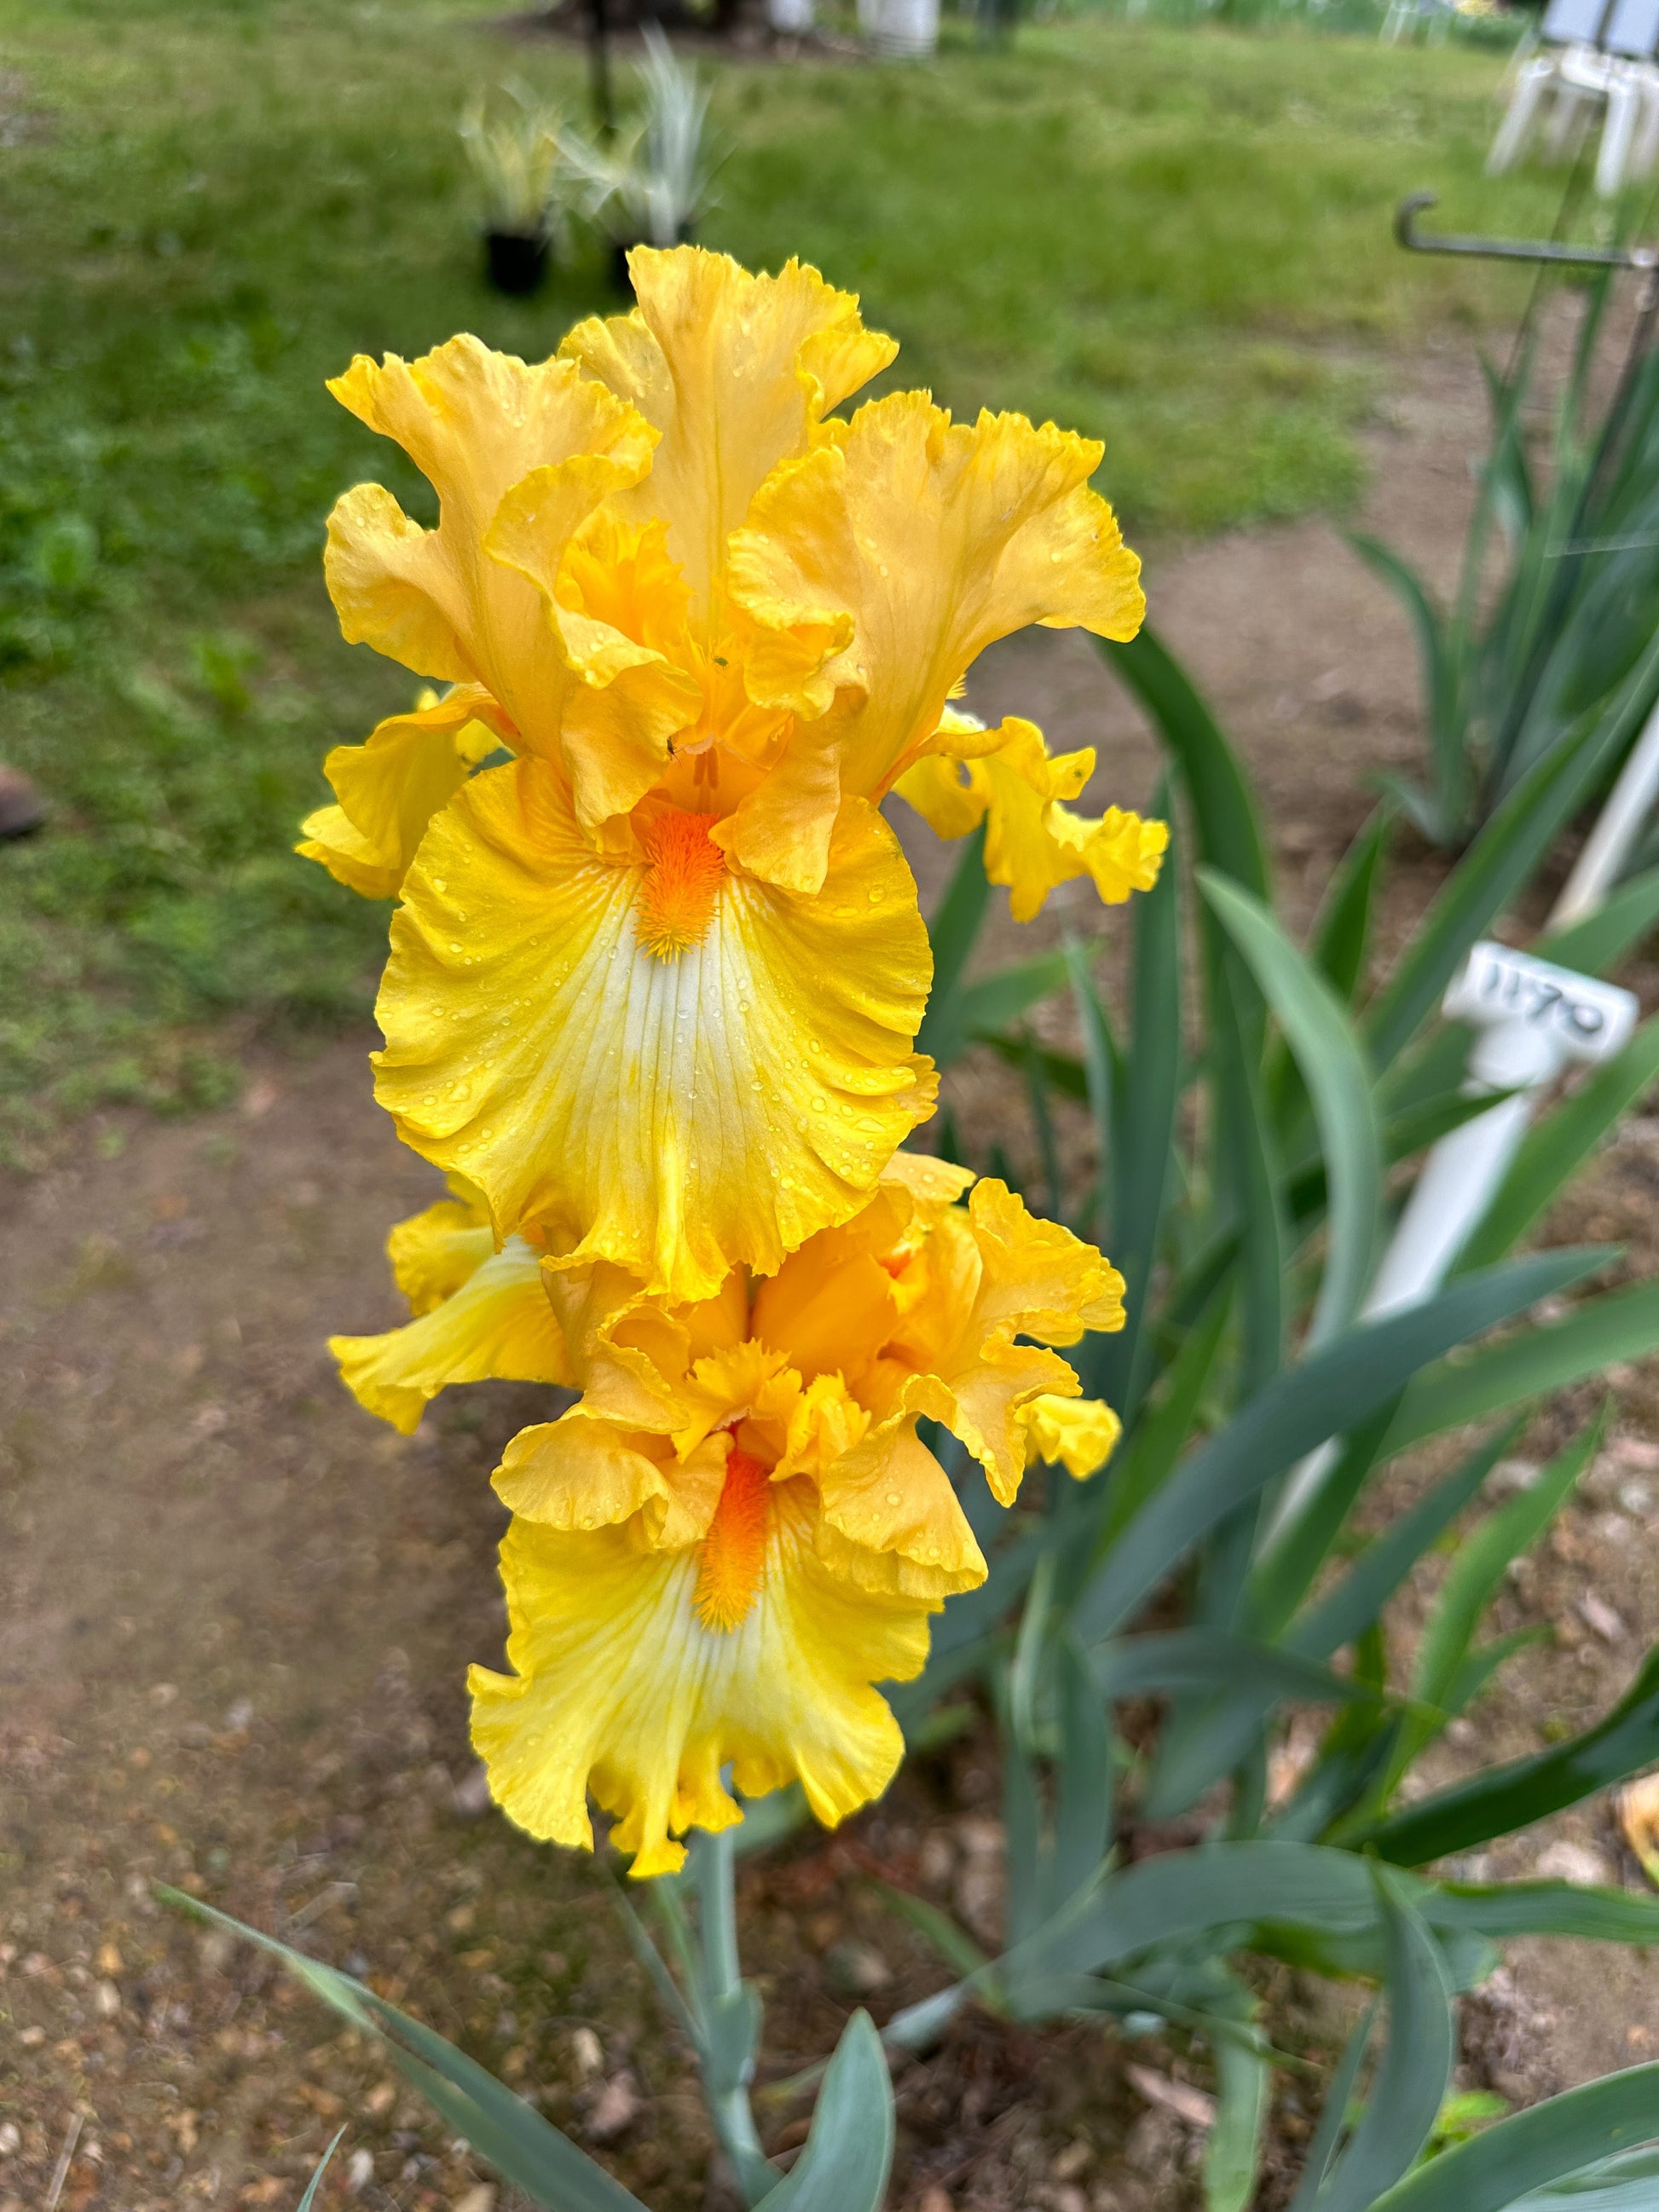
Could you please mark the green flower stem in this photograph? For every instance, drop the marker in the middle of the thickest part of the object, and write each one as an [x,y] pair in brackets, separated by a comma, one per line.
[731,2020]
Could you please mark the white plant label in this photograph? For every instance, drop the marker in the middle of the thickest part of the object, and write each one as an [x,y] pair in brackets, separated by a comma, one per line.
[1585,1018]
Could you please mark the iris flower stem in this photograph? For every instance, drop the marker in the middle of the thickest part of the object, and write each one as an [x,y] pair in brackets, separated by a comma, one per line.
[729,2013]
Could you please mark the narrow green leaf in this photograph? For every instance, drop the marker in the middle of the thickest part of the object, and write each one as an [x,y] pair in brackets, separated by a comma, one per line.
[1140,1155]
[1182,1894]
[1554,1149]
[958,1949]
[1342,929]
[1503,1911]
[1139,1467]
[1329,1391]
[1493,2171]
[1596,1335]
[1436,666]
[1060,1072]
[1188,1659]
[524,2148]
[1223,806]
[1593,944]
[1043,1121]
[1243,2080]
[1102,1070]
[1504,1798]
[1411,2082]
[1247,1167]
[1482,1558]
[1629,2182]
[845,2164]
[953,932]
[1023,1861]
[1340,1083]
[1083,1814]
[971,1014]
[316,2180]
[1332,2114]
[1483,1663]
[1360,1597]
[1290,1560]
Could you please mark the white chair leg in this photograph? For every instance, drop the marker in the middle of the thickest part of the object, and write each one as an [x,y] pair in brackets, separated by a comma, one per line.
[1613,157]
[1530,88]
[1645,152]
[1569,119]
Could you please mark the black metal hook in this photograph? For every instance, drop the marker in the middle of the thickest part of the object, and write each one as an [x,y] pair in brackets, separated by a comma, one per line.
[1513,249]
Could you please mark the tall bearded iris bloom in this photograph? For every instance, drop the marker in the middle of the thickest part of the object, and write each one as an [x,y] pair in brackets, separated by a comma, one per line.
[654,982]
[736,1532]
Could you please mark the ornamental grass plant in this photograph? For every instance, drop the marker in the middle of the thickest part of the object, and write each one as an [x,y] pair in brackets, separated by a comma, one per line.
[827,1476]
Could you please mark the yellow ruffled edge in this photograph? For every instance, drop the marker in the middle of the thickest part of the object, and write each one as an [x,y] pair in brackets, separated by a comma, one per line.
[479,1315]
[1007,778]
[388,788]
[1079,1434]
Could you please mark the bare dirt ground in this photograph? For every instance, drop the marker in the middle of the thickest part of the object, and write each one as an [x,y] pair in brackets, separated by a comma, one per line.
[235,1614]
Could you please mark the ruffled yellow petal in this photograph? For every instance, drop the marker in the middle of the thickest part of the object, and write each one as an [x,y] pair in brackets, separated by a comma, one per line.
[1038,1280]
[1120,851]
[986,1277]
[675,1114]
[891,1521]
[936,538]
[391,787]
[434,1253]
[617,605]
[498,1324]
[735,371]
[579,1474]
[1079,1434]
[618,1686]
[948,803]
[476,424]
[1008,779]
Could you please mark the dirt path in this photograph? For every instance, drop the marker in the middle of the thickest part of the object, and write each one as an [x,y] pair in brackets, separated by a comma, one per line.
[235,1614]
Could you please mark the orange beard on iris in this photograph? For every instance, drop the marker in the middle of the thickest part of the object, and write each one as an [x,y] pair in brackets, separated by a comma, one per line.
[686,871]
[731,1556]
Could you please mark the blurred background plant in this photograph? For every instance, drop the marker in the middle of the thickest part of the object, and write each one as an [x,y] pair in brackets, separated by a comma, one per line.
[1557,595]
[655,181]
[525,181]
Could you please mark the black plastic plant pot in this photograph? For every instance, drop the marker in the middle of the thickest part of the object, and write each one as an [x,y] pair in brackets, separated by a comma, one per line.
[513,262]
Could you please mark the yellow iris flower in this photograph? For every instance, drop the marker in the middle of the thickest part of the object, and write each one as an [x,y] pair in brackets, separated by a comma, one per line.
[736,1532]
[654,982]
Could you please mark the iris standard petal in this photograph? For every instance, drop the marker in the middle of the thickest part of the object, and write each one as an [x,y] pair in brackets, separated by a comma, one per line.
[476,424]
[936,538]
[735,371]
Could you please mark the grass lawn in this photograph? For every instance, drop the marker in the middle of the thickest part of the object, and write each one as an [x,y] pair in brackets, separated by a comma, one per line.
[1176,240]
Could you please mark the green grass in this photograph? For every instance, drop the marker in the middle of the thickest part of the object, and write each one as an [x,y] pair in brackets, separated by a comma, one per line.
[1176,240]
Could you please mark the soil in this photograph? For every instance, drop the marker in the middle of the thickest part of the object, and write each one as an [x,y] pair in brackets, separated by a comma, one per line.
[235,1614]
